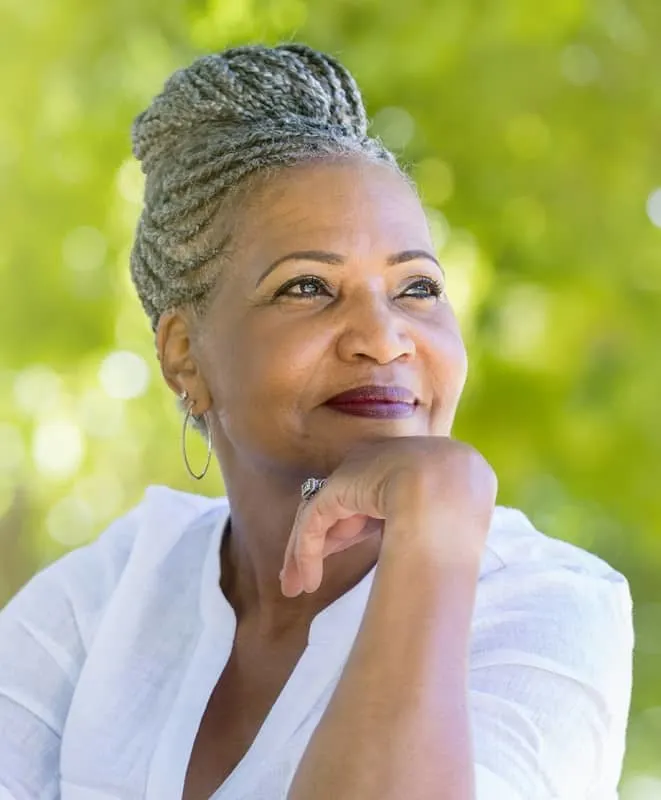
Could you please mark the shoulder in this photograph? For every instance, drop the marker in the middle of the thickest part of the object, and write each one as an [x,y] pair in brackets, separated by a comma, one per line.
[48,628]
[520,559]
[514,540]
[551,664]
[545,595]
[79,585]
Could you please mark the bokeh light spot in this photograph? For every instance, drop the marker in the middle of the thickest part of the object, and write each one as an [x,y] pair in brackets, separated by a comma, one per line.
[124,375]
[394,126]
[654,207]
[130,181]
[37,389]
[439,228]
[579,64]
[435,179]
[463,266]
[100,416]
[71,522]
[523,320]
[103,491]
[84,249]
[58,448]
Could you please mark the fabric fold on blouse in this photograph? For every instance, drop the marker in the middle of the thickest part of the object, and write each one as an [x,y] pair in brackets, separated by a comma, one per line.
[109,655]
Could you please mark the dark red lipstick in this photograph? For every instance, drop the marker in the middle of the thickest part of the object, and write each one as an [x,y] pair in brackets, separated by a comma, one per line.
[380,402]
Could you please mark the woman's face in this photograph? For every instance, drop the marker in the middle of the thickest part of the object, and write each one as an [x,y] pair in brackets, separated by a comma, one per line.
[359,309]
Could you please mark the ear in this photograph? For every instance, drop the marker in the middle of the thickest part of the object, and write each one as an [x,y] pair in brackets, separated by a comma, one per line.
[178,364]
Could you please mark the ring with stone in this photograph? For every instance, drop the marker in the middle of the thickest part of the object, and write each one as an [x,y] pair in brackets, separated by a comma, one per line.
[311,486]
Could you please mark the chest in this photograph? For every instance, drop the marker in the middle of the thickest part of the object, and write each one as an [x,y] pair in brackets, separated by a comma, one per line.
[239,703]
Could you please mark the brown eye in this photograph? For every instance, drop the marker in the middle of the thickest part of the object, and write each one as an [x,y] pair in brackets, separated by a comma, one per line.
[307,284]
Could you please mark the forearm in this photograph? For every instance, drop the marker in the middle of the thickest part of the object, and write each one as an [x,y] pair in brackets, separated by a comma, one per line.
[398,723]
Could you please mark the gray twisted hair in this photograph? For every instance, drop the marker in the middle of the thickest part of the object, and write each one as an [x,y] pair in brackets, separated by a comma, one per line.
[225,119]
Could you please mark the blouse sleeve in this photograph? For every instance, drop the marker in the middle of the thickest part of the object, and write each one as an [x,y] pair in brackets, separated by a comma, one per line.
[45,631]
[550,682]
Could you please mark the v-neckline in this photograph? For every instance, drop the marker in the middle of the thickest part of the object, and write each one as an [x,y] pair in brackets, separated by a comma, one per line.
[311,676]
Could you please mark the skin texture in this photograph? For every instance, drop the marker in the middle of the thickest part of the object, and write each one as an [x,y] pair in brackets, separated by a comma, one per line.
[263,365]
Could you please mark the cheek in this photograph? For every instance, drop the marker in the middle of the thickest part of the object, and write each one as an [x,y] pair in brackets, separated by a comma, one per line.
[447,358]
[458,359]
[274,363]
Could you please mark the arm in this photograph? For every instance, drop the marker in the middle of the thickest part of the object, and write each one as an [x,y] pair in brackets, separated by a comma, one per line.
[551,645]
[398,723]
[549,688]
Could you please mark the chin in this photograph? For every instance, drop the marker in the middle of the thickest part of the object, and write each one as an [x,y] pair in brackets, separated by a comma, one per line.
[336,443]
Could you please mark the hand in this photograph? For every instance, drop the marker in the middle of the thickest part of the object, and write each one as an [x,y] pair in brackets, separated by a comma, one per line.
[396,478]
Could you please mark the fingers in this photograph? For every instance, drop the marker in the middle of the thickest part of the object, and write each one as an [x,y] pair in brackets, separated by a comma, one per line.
[290,582]
[307,545]
[346,533]
[304,554]
[311,532]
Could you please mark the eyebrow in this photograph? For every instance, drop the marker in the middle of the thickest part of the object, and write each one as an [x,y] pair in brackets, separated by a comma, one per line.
[324,257]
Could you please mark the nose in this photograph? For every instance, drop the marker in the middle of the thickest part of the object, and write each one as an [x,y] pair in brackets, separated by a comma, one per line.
[371,329]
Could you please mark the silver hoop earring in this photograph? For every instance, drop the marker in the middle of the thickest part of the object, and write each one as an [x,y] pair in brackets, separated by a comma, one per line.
[184,397]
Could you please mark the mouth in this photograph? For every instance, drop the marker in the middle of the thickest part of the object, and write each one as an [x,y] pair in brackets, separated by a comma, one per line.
[378,402]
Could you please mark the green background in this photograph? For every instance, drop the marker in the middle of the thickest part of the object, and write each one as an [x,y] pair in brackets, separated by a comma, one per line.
[533,130]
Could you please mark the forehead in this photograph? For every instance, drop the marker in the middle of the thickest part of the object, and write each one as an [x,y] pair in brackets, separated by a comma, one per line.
[349,206]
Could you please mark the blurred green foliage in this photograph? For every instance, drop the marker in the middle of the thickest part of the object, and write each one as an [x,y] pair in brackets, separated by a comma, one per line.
[533,131]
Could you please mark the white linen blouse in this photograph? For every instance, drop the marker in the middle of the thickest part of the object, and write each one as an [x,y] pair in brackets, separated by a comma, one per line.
[108,657]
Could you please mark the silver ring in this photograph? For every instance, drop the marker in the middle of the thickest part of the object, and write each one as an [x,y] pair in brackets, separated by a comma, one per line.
[311,486]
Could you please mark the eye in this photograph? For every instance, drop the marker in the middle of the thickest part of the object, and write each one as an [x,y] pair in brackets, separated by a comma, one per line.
[305,283]
[431,288]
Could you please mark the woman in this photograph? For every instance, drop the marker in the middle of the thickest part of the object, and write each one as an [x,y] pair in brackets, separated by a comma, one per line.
[356,619]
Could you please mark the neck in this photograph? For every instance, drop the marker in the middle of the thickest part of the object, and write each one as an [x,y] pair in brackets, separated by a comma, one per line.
[262,513]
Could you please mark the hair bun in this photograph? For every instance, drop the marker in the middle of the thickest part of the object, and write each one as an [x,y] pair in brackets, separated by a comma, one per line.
[224,118]
[286,87]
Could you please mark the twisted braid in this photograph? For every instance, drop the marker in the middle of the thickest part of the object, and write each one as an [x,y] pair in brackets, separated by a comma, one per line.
[227,117]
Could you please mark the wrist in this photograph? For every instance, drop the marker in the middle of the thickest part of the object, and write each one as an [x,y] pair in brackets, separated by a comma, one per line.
[432,536]
[430,583]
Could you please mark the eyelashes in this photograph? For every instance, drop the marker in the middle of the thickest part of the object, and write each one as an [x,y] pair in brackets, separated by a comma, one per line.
[305,280]
[435,288]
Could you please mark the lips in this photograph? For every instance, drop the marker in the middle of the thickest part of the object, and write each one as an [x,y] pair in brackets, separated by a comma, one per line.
[374,394]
